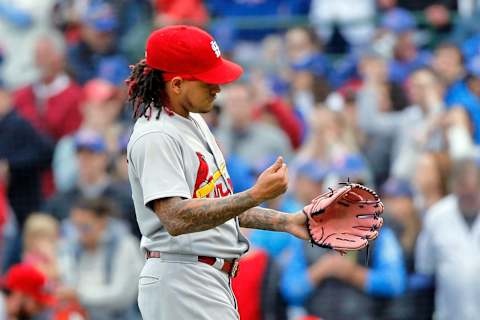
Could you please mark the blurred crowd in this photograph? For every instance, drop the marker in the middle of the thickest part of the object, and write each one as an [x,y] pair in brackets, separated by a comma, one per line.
[385,93]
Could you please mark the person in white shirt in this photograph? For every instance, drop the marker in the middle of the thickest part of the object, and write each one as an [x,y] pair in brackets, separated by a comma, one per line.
[449,246]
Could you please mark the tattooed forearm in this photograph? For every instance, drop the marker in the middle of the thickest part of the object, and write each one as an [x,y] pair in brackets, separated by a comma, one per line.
[266,219]
[193,215]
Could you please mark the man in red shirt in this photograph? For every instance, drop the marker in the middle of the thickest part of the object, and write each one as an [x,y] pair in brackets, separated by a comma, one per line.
[52,103]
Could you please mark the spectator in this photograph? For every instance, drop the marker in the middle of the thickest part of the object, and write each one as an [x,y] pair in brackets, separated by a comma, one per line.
[26,153]
[24,294]
[240,135]
[21,24]
[418,127]
[431,179]
[397,196]
[101,261]
[400,214]
[97,42]
[302,44]
[396,39]
[330,138]
[310,70]
[340,287]
[135,21]
[446,246]
[377,144]
[40,240]
[93,180]
[406,58]
[438,14]
[447,62]
[41,250]
[51,104]
[466,98]
[101,108]
[273,109]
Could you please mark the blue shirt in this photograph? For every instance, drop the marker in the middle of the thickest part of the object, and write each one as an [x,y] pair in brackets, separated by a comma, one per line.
[275,243]
[385,278]
[400,70]
[460,94]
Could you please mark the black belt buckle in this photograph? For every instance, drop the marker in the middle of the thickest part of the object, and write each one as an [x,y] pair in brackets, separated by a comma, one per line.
[235,268]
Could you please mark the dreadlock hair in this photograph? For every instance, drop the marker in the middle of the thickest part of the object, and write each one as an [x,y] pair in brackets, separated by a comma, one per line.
[146,89]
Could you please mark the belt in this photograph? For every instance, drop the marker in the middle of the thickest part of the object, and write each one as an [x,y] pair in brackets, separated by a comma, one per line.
[229,267]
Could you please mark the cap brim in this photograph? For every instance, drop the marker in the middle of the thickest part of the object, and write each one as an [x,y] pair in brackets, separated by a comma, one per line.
[224,72]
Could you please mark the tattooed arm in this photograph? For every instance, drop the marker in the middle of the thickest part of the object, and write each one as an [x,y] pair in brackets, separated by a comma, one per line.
[268,219]
[265,219]
[181,216]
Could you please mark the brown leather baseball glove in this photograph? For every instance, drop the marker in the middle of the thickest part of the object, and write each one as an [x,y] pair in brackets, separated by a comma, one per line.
[344,219]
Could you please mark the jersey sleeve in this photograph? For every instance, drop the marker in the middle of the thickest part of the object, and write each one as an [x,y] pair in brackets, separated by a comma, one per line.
[158,163]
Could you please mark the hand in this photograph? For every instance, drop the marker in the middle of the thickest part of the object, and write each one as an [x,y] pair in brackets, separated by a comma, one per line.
[47,249]
[341,267]
[297,226]
[433,97]
[377,73]
[332,265]
[272,182]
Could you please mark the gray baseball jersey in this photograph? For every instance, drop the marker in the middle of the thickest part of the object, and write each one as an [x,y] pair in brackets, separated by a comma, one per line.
[178,157]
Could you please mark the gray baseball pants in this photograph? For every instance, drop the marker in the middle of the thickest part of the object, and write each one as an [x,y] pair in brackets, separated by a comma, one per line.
[178,287]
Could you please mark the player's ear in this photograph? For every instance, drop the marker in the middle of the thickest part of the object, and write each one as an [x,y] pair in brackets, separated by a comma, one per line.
[176,85]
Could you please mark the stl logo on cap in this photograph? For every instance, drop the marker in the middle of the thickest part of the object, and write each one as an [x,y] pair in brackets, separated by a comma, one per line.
[190,53]
[215,48]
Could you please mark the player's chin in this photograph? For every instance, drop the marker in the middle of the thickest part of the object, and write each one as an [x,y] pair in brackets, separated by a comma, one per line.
[206,107]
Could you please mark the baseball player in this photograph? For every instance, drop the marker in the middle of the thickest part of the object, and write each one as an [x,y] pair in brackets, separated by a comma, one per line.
[187,212]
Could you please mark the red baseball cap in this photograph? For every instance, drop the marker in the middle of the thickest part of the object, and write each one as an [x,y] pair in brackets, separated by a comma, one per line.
[191,53]
[26,279]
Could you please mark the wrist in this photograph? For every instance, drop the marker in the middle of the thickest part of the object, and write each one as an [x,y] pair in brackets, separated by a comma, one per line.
[254,194]
[291,222]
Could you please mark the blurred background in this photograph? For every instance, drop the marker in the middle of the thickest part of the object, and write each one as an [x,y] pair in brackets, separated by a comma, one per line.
[386,93]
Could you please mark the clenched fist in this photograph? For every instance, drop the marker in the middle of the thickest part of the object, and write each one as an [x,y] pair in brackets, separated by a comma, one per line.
[272,182]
